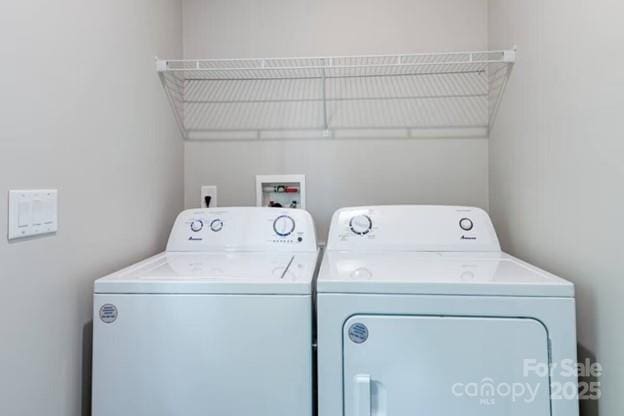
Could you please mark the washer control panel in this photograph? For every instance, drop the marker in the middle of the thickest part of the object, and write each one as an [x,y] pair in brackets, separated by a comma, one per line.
[244,228]
[415,228]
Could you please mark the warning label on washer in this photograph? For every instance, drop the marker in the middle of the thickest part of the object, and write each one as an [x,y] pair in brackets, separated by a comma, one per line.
[108,313]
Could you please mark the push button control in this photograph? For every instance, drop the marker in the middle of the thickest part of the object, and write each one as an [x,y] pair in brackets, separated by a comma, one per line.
[466,224]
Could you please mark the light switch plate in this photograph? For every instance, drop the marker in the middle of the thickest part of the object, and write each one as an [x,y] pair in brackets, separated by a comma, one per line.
[32,212]
[208,190]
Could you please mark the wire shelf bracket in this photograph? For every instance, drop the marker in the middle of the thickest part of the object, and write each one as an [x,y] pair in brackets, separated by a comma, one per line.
[454,94]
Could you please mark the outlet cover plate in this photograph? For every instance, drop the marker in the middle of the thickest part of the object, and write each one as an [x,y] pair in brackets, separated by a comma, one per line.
[208,190]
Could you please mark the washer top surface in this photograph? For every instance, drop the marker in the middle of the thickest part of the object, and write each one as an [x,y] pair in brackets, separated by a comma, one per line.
[439,273]
[215,273]
[440,250]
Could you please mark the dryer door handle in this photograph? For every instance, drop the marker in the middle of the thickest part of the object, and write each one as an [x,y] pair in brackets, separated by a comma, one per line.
[362,403]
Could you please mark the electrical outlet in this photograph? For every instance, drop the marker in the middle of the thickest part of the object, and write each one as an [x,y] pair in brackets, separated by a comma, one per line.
[211,191]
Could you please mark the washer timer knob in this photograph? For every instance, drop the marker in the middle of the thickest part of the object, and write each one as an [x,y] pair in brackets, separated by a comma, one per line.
[197,225]
[361,224]
[284,225]
[466,224]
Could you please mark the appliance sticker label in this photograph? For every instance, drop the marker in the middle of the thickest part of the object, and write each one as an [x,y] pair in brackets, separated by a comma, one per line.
[358,333]
[108,313]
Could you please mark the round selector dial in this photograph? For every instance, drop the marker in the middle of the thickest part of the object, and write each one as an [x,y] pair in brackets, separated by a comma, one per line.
[197,225]
[361,224]
[466,224]
[284,225]
[216,225]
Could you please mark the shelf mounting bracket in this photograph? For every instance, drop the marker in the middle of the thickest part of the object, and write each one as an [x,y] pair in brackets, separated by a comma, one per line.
[324,86]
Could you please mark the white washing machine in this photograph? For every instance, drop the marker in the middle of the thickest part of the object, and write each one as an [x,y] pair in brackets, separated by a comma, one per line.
[420,313]
[219,324]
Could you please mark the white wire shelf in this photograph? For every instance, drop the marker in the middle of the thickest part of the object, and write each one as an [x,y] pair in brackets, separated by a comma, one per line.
[418,95]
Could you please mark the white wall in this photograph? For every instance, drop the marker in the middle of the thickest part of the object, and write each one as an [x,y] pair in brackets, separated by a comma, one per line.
[347,172]
[82,110]
[557,162]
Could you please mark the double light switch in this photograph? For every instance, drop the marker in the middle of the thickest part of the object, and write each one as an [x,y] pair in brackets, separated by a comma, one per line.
[32,212]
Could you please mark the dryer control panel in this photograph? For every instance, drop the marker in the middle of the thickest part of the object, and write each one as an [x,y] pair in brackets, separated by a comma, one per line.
[412,228]
[243,229]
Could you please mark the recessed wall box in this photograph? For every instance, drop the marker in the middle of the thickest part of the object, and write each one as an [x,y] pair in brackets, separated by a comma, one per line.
[280,191]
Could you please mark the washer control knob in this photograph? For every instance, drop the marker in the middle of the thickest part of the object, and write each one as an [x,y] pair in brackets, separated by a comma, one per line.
[284,225]
[216,225]
[466,224]
[361,224]
[197,225]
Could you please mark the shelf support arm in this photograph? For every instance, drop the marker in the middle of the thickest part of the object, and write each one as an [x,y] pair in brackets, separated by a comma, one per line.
[499,98]
[161,68]
[324,93]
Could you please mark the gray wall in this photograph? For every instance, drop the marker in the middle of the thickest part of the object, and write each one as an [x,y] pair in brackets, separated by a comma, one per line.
[557,162]
[82,110]
[339,172]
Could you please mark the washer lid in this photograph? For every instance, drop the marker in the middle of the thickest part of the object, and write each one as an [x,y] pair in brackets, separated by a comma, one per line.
[216,273]
[442,273]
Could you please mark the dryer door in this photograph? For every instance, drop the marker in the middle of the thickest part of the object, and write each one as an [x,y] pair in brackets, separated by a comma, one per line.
[442,366]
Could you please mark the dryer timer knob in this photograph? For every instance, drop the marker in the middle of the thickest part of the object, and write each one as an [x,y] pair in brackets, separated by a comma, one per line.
[361,224]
